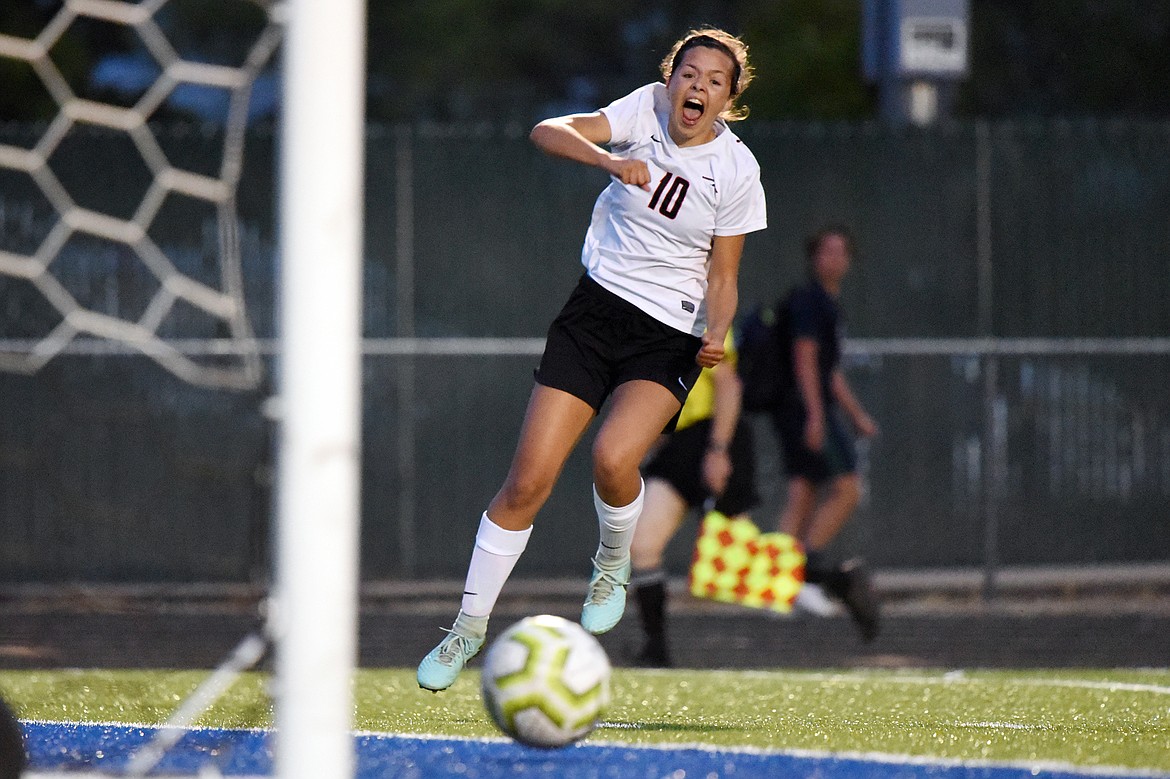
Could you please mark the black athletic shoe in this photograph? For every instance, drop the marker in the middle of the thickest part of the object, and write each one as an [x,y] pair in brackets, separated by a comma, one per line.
[649,591]
[855,589]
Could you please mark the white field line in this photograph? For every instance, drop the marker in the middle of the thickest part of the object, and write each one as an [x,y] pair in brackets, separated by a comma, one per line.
[960,677]
[806,754]
[91,775]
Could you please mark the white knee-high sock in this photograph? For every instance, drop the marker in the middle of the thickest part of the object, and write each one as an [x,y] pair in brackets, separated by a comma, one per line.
[617,527]
[495,554]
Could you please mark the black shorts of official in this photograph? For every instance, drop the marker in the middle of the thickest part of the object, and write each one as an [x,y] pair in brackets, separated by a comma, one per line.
[600,341]
[838,457]
[680,463]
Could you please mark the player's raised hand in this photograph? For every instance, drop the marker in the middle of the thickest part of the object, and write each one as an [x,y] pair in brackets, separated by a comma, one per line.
[628,171]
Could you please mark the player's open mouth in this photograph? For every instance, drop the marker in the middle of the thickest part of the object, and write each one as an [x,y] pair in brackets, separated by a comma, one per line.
[692,111]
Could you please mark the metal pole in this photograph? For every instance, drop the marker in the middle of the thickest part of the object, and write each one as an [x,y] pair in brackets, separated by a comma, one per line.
[985,271]
[405,365]
[314,619]
[991,481]
[986,325]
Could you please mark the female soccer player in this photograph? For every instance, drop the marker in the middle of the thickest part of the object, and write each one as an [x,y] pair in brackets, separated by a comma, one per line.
[658,295]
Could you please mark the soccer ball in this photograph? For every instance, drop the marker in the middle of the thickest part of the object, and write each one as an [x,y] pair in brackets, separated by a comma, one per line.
[546,681]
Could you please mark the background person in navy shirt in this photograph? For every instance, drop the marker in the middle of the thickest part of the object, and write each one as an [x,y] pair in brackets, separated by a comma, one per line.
[820,457]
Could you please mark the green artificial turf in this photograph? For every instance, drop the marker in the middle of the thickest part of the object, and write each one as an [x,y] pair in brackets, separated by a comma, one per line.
[1082,718]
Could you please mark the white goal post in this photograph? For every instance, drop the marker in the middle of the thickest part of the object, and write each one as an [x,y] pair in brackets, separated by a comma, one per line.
[314,619]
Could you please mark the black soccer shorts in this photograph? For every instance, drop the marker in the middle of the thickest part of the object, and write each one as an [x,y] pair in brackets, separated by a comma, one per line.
[680,463]
[836,458]
[599,341]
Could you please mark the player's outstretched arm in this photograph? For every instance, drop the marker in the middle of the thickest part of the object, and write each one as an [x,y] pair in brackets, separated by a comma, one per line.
[722,296]
[578,137]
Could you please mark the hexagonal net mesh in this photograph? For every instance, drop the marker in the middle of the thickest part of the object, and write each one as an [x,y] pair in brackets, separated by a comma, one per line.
[80,230]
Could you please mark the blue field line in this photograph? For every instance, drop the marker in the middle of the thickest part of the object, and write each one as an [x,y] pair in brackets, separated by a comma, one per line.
[55,746]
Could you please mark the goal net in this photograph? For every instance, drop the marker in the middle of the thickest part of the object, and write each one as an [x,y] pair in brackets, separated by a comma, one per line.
[162,297]
[100,277]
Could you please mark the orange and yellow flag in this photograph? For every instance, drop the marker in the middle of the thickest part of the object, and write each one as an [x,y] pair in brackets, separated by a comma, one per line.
[735,563]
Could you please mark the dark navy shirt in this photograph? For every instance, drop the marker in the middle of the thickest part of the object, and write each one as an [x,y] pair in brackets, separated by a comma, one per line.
[811,312]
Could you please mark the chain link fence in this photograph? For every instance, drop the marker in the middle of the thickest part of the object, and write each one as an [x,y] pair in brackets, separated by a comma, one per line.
[1006,313]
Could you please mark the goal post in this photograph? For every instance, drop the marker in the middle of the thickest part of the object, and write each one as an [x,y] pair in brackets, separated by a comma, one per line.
[314,623]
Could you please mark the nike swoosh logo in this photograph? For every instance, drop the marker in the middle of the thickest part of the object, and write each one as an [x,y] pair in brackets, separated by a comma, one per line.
[681,384]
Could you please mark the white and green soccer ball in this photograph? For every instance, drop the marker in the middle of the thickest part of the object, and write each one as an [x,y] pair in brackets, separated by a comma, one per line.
[546,681]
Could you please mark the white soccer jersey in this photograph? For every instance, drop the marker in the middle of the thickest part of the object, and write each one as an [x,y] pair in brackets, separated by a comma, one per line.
[651,248]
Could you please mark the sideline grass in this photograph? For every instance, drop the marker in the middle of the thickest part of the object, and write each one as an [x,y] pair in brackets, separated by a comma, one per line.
[1084,718]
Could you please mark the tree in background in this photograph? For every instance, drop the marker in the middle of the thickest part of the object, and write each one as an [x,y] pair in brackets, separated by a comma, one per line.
[808,55]
[521,60]
[467,60]
[1094,57]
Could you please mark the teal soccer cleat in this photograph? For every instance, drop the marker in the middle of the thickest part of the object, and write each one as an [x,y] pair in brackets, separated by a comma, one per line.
[606,601]
[439,669]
